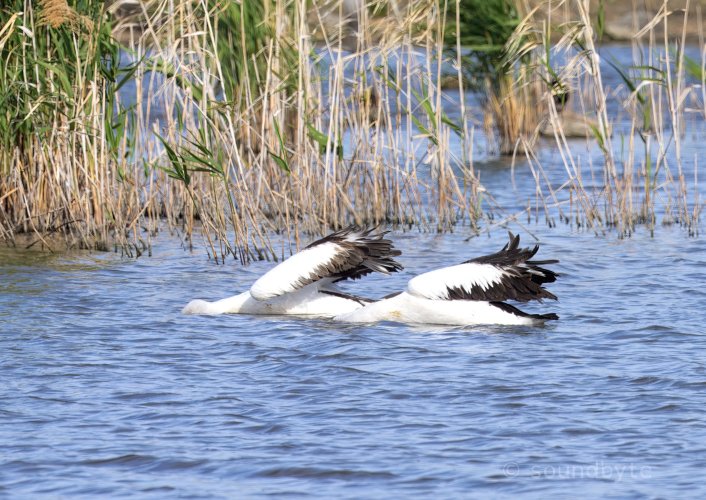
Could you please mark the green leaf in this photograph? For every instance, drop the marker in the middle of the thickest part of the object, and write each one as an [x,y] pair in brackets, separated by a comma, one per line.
[694,68]
[318,136]
[281,162]
[627,80]
[600,20]
[128,73]
[425,130]
[179,170]
[454,126]
[60,74]
[279,135]
[599,137]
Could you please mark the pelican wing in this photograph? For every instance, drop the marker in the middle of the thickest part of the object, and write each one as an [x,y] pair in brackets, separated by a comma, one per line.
[504,275]
[346,254]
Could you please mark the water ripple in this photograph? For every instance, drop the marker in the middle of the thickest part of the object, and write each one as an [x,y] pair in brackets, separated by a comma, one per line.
[108,391]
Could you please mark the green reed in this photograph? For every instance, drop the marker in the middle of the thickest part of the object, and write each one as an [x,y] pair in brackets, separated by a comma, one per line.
[63,133]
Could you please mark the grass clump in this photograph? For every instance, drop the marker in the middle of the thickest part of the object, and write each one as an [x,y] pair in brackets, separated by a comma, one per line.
[59,155]
[478,35]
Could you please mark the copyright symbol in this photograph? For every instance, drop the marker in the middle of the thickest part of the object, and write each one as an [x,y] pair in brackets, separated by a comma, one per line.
[511,469]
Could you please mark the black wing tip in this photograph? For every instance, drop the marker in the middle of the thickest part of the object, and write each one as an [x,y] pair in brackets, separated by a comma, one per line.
[512,254]
[518,312]
[523,277]
[518,289]
[355,298]
[514,242]
[339,234]
[374,252]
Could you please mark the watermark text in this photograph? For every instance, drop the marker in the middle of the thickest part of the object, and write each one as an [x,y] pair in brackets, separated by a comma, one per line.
[596,470]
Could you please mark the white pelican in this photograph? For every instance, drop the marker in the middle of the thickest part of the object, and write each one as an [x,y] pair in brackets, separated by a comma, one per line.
[470,293]
[304,284]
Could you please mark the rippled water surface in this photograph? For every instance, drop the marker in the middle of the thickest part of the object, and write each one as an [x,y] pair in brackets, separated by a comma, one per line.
[108,390]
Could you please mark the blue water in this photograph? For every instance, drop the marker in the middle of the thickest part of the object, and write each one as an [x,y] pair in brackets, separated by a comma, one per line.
[107,390]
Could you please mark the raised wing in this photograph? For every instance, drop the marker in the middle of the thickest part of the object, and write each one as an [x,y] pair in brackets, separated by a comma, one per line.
[504,275]
[346,254]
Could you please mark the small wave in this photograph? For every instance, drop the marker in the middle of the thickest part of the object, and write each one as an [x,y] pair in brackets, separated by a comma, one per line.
[149,462]
[129,459]
[318,473]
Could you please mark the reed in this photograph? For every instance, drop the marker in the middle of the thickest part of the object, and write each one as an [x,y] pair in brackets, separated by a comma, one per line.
[255,122]
[310,137]
[645,180]
[481,35]
[60,156]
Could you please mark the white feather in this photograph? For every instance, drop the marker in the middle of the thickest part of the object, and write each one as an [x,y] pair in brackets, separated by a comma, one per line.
[408,308]
[303,284]
[435,284]
[307,301]
[287,276]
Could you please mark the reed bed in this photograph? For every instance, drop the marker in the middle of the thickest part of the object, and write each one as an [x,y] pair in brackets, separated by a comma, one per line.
[644,179]
[302,137]
[253,123]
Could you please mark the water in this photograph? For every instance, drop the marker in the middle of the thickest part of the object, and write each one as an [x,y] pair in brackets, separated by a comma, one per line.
[108,391]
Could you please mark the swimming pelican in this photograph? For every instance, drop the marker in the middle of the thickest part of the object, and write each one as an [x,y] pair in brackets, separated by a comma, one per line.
[304,284]
[474,292]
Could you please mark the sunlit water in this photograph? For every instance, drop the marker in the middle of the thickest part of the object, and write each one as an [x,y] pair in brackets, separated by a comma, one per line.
[108,390]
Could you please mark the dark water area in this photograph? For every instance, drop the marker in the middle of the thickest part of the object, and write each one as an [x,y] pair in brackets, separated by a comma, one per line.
[107,390]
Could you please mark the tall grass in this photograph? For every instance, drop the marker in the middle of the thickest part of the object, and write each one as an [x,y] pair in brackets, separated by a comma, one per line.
[645,178]
[480,33]
[315,137]
[252,119]
[62,141]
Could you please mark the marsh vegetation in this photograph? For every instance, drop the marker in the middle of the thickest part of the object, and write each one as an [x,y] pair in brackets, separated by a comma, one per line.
[253,123]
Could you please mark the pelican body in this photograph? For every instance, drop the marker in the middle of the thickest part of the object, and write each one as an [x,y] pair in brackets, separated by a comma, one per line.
[471,293]
[305,283]
[474,292]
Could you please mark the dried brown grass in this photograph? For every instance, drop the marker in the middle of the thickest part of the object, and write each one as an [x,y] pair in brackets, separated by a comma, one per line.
[296,117]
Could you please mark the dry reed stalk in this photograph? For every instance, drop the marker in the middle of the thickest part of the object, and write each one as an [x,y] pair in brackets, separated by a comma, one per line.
[302,149]
[59,177]
[642,188]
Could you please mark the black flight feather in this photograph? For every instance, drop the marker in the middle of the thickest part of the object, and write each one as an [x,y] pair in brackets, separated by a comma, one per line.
[365,254]
[522,278]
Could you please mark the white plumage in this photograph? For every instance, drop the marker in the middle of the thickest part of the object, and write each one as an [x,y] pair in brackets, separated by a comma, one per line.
[286,277]
[411,309]
[435,284]
[304,284]
[474,292]
[307,301]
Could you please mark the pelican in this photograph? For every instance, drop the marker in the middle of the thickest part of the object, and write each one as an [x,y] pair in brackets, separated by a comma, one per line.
[471,293]
[305,283]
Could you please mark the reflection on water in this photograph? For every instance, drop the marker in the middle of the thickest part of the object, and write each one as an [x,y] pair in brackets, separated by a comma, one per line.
[108,390]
